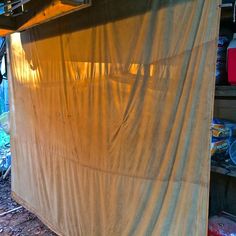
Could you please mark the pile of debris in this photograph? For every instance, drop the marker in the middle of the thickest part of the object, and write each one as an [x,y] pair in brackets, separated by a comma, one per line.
[5,153]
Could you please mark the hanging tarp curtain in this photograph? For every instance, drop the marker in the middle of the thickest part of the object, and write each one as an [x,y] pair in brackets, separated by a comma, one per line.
[111,112]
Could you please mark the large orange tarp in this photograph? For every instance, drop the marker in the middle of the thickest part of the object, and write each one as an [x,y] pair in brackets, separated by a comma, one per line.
[111,112]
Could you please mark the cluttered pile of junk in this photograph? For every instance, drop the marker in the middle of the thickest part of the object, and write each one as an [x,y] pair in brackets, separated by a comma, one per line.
[5,153]
[222,213]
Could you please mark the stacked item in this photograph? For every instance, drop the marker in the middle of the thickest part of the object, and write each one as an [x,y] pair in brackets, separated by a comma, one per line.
[221,74]
[223,137]
[222,225]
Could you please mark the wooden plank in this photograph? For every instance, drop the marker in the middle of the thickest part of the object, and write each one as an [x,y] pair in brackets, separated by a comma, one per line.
[5,32]
[7,25]
[229,170]
[52,11]
[31,9]
[225,91]
[37,12]
[73,2]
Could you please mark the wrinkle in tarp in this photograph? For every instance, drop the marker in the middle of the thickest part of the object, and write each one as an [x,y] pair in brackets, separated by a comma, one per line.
[111,110]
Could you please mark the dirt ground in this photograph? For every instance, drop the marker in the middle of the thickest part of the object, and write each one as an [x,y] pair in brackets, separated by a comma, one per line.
[20,222]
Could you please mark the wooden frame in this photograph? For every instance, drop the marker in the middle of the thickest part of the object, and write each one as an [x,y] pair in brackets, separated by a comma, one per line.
[38,12]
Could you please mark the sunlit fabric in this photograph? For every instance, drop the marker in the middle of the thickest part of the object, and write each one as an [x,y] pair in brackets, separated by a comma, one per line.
[111,112]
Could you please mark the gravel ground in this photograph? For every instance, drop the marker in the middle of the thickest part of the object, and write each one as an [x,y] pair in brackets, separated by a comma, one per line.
[20,222]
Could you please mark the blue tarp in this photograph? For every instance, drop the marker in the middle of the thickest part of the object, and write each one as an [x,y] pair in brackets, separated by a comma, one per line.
[5,155]
[4,101]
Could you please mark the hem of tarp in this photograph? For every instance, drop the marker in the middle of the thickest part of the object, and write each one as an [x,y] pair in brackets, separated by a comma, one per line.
[32,210]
